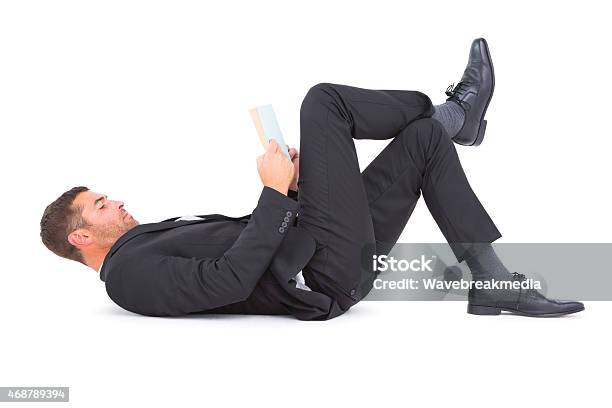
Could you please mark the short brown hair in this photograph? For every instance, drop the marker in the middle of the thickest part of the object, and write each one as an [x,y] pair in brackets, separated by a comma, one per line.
[59,220]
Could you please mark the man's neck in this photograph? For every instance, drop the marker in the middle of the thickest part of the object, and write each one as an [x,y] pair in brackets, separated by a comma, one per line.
[95,258]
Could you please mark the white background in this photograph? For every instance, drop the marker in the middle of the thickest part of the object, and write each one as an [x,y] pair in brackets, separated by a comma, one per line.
[148,102]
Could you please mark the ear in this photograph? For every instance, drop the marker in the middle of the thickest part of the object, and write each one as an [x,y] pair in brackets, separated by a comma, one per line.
[80,238]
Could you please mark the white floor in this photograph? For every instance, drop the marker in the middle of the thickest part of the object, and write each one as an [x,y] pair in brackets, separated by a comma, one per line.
[379,354]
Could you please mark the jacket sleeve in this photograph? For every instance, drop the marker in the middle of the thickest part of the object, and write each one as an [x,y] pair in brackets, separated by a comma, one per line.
[175,285]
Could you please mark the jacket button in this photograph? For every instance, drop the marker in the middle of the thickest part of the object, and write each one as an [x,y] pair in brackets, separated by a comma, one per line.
[353,291]
[281,229]
[286,219]
[289,213]
[284,224]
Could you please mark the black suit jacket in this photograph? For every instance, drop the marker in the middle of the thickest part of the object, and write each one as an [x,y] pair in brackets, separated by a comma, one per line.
[217,265]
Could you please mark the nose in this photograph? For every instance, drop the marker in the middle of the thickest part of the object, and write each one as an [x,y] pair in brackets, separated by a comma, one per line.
[120,205]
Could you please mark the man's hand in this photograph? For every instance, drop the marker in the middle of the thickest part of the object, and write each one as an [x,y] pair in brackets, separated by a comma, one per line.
[295,159]
[275,170]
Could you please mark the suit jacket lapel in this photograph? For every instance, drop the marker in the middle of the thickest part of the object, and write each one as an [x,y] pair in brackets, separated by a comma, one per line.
[216,217]
[160,226]
[167,224]
[136,231]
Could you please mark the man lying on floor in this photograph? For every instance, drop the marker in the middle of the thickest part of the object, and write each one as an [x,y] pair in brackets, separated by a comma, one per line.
[300,250]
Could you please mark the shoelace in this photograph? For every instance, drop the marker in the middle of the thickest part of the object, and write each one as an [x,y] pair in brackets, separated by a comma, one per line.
[530,292]
[456,92]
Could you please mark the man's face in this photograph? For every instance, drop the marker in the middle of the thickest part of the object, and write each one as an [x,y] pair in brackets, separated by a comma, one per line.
[107,220]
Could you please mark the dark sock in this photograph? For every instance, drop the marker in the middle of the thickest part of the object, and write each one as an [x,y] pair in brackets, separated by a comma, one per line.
[484,263]
[451,116]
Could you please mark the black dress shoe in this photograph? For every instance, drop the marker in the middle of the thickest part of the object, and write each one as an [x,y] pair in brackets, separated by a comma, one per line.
[473,93]
[527,302]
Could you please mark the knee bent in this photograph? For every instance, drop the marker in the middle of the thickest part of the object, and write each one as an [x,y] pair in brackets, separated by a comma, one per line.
[428,127]
[315,95]
[426,135]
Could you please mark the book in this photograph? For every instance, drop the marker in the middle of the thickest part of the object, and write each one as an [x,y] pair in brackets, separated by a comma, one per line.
[267,127]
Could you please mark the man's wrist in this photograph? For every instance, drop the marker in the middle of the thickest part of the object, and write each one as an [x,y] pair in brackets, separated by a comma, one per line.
[282,190]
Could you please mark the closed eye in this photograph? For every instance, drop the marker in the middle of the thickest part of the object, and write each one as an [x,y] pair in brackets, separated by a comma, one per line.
[98,200]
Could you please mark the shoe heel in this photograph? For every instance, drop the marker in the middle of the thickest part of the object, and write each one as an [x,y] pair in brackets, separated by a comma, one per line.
[481,133]
[483,310]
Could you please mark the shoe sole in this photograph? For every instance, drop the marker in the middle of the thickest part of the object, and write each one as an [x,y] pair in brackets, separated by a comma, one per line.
[483,123]
[494,311]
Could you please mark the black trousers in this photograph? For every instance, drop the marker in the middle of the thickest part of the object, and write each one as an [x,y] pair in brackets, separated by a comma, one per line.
[352,214]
